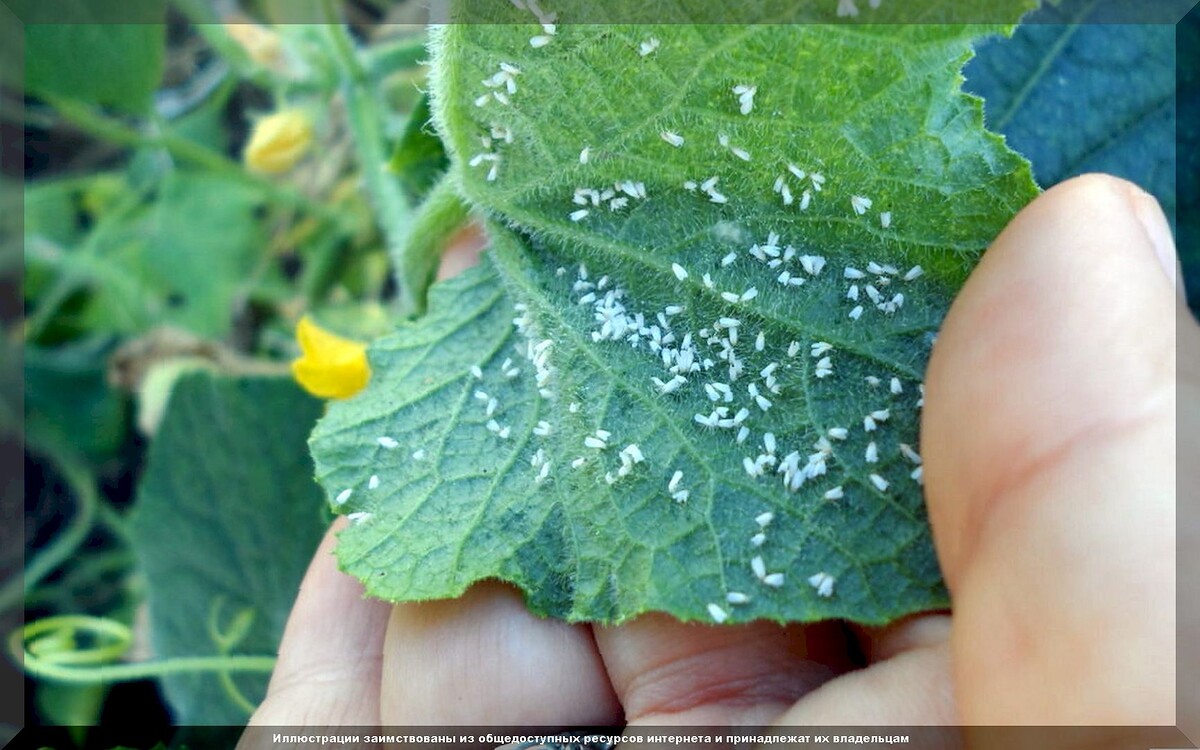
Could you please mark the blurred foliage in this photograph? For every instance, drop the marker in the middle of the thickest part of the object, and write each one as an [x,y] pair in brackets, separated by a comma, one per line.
[163,281]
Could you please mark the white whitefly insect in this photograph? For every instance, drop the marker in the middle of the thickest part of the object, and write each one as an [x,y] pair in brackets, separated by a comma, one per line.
[869,423]
[749,294]
[358,517]
[764,519]
[491,406]
[542,429]
[708,282]
[579,215]
[745,95]
[896,387]
[860,204]
[913,273]
[591,441]
[674,139]
[679,271]
[872,453]
[648,46]
[758,539]
[837,493]
[373,482]
[880,483]
[743,433]
[578,462]
[918,475]
[846,8]
[856,313]
[812,264]
[673,485]
[793,348]
[881,415]
[763,402]
[731,297]
[737,597]
[541,40]
[387,442]
[799,173]
[760,342]
[820,348]
[872,381]
[838,433]
[759,566]
[885,219]
[342,497]
[823,583]
[740,153]
[585,154]
[907,451]
[719,615]
[573,407]
[850,272]
[774,580]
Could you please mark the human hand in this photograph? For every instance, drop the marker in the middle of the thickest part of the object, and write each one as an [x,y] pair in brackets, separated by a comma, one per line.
[1049,439]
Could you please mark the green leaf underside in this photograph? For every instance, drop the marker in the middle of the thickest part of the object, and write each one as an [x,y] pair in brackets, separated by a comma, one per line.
[873,109]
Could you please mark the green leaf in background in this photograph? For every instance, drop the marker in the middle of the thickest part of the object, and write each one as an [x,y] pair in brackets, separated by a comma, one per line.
[1188,102]
[116,65]
[227,519]
[734,442]
[69,400]
[204,243]
[419,159]
[1074,96]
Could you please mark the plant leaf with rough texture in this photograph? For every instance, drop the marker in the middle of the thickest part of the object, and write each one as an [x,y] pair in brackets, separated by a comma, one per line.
[1075,96]
[542,496]
[225,524]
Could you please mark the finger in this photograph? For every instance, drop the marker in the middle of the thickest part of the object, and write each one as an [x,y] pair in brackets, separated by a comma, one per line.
[462,251]
[485,659]
[906,684]
[330,656]
[668,672]
[1048,436]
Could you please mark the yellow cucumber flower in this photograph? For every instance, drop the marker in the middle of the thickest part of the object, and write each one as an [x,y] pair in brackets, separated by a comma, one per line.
[279,141]
[262,45]
[329,366]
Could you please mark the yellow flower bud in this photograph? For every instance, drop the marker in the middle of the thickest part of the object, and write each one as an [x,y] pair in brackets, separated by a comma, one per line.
[279,141]
[330,366]
[262,45]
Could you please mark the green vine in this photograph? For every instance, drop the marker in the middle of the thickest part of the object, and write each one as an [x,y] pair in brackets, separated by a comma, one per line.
[83,487]
[49,649]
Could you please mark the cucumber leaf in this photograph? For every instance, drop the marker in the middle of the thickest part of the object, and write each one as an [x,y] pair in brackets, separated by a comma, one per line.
[681,216]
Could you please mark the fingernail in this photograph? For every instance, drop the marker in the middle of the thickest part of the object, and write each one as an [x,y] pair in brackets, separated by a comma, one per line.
[1154,221]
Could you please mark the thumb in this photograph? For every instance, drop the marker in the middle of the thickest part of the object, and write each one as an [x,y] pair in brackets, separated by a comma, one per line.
[1049,444]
